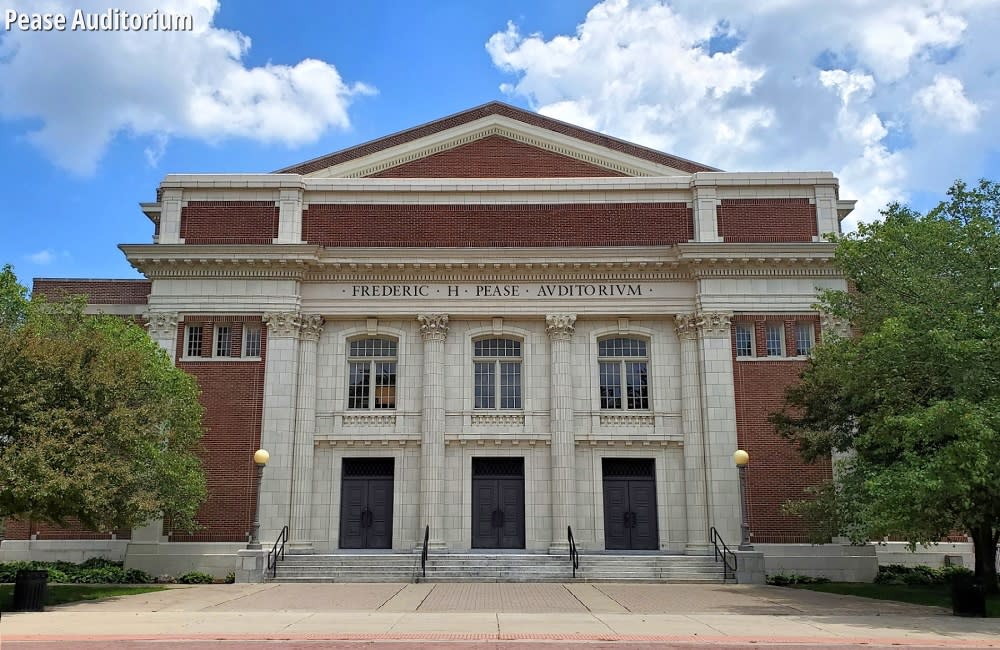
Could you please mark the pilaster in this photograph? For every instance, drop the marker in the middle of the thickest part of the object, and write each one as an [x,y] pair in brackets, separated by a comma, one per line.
[278,426]
[705,204]
[300,527]
[434,331]
[826,211]
[289,216]
[695,466]
[171,201]
[718,406]
[560,328]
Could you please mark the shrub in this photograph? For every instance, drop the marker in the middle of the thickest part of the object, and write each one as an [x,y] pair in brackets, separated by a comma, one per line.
[230,577]
[137,577]
[781,580]
[55,575]
[165,579]
[103,575]
[195,578]
[98,563]
[897,574]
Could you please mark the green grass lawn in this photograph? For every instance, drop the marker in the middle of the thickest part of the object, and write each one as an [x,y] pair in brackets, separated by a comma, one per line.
[59,594]
[939,595]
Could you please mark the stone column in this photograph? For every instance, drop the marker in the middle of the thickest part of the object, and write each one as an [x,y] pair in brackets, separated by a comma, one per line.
[278,426]
[162,328]
[718,405]
[695,477]
[560,328]
[434,330]
[300,528]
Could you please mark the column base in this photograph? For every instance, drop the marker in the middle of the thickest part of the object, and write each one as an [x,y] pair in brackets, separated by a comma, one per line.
[299,548]
[698,548]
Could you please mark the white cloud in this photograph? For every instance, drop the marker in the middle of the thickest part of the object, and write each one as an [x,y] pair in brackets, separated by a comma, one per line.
[42,257]
[862,88]
[87,87]
[945,100]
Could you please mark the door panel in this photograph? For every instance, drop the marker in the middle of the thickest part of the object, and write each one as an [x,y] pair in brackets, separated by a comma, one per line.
[642,504]
[379,532]
[485,503]
[512,509]
[353,500]
[498,513]
[615,508]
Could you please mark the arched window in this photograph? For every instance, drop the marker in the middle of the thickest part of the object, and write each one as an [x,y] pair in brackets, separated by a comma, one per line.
[371,380]
[497,364]
[624,373]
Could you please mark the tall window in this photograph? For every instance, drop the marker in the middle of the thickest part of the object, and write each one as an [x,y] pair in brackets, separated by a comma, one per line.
[775,340]
[803,339]
[251,341]
[193,346]
[223,340]
[624,373]
[370,359]
[498,373]
[744,340]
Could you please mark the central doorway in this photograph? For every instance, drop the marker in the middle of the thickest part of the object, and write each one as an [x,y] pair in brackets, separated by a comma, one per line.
[630,504]
[498,502]
[366,503]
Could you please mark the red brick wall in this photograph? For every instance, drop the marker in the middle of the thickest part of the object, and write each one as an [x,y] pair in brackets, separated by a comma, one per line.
[232,393]
[229,222]
[495,108]
[495,157]
[607,224]
[766,220]
[98,292]
[23,529]
[776,472]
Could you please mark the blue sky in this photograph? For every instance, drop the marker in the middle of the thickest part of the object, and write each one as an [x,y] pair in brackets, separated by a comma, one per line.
[898,98]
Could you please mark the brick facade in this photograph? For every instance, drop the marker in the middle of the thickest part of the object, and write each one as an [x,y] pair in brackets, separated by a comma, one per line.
[229,222]
[767,220]
[608,224]
[232,393]
[776,472]
[97,292]
[495,157]
[24,529]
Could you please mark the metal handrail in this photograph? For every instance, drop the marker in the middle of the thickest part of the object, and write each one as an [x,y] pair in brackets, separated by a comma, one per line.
[574,555]
[423,553]
[723,554]
[277,550]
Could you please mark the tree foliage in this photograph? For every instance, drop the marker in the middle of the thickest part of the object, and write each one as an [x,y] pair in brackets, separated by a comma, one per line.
[96,423]
[913,401]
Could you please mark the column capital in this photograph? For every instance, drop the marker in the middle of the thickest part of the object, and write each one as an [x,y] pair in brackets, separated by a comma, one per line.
[161,324]
[283,324]
[311,327]
[713,323]
[833,325]
[433,327]
[560,326]
[686,326]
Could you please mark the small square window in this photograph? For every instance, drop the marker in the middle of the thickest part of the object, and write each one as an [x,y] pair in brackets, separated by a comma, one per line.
[193,345]
[744,340]
[251,341]
[804,339]
[775,340]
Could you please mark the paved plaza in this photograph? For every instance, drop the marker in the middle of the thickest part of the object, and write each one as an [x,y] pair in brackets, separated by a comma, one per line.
[494,613]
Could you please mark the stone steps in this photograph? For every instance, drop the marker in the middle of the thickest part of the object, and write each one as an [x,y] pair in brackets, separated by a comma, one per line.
[500,567]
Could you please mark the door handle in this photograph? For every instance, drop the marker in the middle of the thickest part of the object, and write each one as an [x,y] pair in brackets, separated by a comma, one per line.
[632,519]
[627,523]
[501,518]
[366,518]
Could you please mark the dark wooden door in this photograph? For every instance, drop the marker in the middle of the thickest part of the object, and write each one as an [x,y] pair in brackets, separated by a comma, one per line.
[366,504]
[497,503]
[630,505]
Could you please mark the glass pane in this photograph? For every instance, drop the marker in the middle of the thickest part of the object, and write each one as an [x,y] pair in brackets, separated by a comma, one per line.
[373,348]
[194,341]
[775,346]
[358,386]
[510,385]
[486,386]
[636,385]
[223,338]
[744,341]
[621,347]
[251,336]
[804,339]
[497,348]
[611,386]
[385,385]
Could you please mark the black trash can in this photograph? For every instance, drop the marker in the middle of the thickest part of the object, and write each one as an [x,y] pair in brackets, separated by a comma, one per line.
[968,596]
[31,589]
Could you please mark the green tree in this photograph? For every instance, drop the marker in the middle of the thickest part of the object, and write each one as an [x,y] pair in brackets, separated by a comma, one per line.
[96,423]
[914,398]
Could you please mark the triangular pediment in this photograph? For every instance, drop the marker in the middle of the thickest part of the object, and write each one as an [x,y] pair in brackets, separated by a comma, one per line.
[496,141]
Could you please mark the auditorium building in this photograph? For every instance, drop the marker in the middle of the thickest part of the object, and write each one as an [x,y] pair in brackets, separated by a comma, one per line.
[493,326]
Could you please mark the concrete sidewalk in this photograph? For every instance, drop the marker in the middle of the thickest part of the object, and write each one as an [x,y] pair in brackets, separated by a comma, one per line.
[681,614]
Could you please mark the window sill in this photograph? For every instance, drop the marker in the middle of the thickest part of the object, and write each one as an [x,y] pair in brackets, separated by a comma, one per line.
[795,358]
[216,359]
[499,418]
[368,418]
[627,418]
